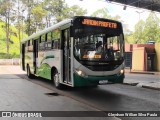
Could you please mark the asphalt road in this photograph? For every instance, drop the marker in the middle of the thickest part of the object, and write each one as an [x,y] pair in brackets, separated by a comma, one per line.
[112,97]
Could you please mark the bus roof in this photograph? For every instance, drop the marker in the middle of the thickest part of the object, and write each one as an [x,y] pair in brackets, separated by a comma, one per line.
[47,30]
[58,25]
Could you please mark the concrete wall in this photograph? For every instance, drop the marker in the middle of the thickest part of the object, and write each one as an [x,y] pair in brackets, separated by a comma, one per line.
[157,60]
[15,61]
[138,59]
[128,47]
[144,45]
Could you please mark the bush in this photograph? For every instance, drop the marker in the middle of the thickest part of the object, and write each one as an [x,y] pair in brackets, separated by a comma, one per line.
[10,56]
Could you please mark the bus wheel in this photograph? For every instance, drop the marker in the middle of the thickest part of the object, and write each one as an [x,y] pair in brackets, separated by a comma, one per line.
[56,80]
[29,72]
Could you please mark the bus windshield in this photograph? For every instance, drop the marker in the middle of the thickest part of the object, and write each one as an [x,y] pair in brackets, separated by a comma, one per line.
[99,47]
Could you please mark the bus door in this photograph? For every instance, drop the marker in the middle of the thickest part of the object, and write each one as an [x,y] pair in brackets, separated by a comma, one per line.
[23,56]
[66,56]
[35,54]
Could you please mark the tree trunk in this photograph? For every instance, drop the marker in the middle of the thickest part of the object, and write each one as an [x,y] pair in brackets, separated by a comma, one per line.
[7,34]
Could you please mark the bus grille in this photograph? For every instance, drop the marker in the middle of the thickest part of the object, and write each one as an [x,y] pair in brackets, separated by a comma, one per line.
[102,68]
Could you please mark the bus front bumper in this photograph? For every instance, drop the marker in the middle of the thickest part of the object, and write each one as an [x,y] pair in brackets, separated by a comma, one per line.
[94,80]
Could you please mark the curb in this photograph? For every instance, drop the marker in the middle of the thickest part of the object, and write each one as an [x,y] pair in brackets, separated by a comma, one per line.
[150,87]
[141,72]
[142,86]
[150,73]
[132,84]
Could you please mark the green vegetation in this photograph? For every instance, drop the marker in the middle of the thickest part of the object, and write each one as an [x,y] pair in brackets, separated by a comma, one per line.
[29,16]
[14,44]
[25,17]
[145,31]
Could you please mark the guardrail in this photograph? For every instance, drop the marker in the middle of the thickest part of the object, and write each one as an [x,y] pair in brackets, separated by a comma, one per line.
[14,61]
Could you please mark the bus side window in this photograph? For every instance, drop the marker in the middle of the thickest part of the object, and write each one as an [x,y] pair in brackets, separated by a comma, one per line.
[26,48]
[42,46]
[46,37]
[56,39]
[56,44]
[43,38]
[28,44]
[30,47]
[48,43]
[49,36]
[52,44]
[42,43]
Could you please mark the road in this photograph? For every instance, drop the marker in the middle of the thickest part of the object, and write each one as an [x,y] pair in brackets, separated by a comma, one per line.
[112,97]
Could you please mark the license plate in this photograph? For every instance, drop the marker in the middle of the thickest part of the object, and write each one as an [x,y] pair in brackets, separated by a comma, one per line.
[103,81]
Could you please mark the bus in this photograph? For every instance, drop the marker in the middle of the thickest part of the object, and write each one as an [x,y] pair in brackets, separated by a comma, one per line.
[81,51]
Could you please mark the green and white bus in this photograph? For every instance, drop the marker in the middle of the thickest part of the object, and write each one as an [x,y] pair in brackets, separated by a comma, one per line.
[82,51]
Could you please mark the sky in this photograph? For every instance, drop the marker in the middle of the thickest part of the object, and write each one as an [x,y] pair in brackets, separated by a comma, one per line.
[130,16]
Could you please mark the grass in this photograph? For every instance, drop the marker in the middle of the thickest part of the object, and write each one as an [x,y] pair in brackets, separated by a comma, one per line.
[14,45]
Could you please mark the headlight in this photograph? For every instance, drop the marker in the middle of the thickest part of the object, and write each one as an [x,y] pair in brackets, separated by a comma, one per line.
[80,73]
[122,71]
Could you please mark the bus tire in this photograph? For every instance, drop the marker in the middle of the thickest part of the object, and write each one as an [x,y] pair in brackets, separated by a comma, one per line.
[56,80]
[29,73]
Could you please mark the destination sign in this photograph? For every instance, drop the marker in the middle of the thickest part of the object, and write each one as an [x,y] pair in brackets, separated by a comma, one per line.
[93,56]
[99,23]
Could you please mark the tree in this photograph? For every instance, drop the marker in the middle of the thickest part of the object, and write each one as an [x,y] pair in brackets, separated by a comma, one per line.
[18,17]
[44,13]
[59,10]
[38,14]
[152,28]
[139,32]
[29,4]
[74,10]
[5,12]
[54,10]
[33,15]
[103,13]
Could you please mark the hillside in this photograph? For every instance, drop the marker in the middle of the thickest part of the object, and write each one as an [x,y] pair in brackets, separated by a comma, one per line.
[14,43]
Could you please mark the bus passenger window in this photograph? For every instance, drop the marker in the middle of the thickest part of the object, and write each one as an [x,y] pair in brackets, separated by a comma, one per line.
[26,48]
[30,46]
[42,46]
[43,38]
[48,45]
[56,46]
[52,46]
[55,35]
[29,43]
[39,39]
[49,36]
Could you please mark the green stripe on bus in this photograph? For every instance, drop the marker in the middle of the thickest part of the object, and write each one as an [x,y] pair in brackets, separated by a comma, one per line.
[47,57]
[44,71]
